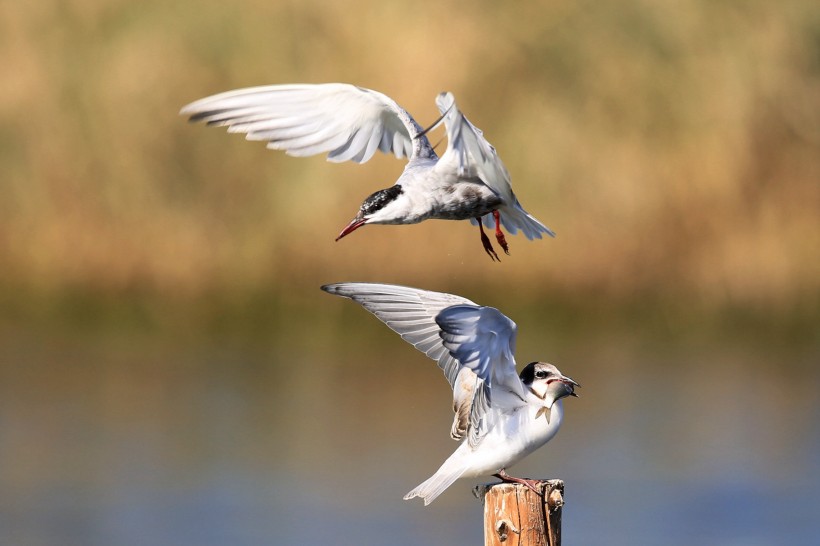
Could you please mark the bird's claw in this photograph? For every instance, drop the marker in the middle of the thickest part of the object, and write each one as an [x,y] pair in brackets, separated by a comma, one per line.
[529,483]
[488,247]
[499,235]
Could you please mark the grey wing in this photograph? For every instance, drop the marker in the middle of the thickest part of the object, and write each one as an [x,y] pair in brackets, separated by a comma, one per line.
[473,345]
[482,339]
[349,123]
[409,312]
[473,156]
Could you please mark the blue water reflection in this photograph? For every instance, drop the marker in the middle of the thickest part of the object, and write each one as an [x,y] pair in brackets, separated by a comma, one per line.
[114,439]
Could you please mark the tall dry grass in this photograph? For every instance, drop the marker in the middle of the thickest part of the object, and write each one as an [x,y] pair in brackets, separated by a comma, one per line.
[674,147]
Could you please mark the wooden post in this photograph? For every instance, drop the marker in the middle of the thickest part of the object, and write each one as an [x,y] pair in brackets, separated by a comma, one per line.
[515,516]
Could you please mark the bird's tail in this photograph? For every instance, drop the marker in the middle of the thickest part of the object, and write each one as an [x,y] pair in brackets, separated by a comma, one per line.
[514,217]
[450,471]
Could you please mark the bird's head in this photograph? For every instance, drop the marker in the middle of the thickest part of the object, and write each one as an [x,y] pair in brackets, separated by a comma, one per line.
[547,382]
[382,207]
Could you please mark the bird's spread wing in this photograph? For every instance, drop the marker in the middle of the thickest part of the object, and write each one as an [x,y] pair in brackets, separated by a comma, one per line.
[347,122]
[471,152]
[482,339]
[409,312]
[473,156]
[473,345]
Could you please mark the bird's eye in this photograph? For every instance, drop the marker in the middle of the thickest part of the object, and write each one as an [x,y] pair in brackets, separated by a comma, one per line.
[541,374]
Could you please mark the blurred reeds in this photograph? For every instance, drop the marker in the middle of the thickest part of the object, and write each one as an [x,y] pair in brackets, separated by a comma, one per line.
[674,148]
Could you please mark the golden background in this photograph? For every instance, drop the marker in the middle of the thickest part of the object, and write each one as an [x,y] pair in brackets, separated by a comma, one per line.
[170,372]
[672,147]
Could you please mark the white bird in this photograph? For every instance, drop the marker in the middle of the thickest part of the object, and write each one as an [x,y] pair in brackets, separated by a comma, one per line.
[500,416]
[350,123]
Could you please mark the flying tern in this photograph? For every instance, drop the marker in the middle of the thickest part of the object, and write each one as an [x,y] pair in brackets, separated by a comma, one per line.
[500,416]
[351,123]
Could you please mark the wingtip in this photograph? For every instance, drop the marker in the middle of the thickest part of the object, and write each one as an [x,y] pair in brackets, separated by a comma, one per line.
[332,288]
[190,109]
[446,96]
[344,289]
[445,101]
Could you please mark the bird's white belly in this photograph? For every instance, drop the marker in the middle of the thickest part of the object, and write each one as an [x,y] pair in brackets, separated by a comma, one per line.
[445,196]
[505,445]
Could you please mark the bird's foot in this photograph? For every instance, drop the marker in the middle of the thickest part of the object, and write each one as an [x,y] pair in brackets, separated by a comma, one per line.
[531,484]
[499,235]
[488,248]
[502,241]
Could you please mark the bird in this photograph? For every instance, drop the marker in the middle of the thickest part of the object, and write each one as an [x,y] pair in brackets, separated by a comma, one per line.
[500,416]
[351,123]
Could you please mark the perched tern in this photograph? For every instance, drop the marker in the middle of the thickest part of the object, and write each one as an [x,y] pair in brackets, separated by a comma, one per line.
[500,416]
[350,123]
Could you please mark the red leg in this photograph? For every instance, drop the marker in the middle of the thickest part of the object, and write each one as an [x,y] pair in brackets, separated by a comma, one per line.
[499,235]
[486,242]
[503,476]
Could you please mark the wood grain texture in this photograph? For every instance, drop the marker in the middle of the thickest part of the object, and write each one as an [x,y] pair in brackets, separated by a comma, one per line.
[514,515]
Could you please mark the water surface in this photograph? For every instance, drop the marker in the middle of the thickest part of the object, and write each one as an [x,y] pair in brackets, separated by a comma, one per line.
[310,430]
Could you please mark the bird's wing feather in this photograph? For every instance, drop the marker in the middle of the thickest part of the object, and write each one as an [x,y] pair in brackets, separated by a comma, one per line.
[409,312]
[349,123]
[473,345]
[473,156]
[482,339]
[467,147]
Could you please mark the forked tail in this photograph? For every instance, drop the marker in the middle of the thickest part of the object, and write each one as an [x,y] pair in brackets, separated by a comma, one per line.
[516,217]
[444,477]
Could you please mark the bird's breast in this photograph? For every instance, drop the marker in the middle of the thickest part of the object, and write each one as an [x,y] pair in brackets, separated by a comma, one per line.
[441,194]
[538,424]
[514,436]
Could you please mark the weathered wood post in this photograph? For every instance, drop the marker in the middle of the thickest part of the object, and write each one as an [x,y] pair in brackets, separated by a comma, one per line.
[515,516]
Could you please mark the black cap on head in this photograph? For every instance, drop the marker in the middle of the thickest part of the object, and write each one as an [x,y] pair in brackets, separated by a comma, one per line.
[527,375]
[379,199]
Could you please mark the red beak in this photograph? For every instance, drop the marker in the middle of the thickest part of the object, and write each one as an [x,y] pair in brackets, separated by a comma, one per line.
[352,226]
